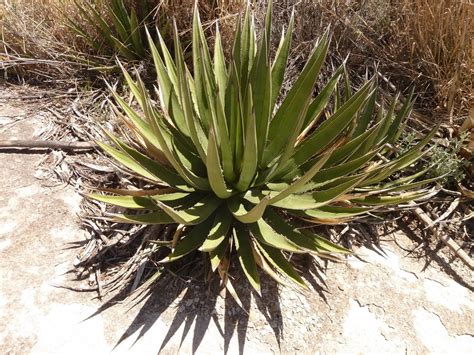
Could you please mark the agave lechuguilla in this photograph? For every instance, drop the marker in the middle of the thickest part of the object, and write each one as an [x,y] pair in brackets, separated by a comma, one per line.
[240,173]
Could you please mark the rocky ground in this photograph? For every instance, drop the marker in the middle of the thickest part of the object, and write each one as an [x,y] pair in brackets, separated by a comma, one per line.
[373,303]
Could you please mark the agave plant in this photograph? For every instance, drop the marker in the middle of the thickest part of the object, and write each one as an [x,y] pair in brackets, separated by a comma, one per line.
[120,28]
[237,171]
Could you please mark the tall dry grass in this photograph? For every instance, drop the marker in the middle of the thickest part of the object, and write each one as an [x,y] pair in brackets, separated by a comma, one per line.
[36,41]
[424,43]
[434,39]
[421,43]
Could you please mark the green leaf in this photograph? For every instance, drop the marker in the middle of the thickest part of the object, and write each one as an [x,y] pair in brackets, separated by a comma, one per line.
[281,58]
[167,84]
[300,182]
[233,112]
[347,84]
[219,67]
[194,215]
[334,214]
[262,84]
[199,67]
[366,116]
[158,217]
[279,262]
[264,233]
[122,48]
[238,208]
[225,143]
[143,165]
[343,169]
[405,186]
[236,49]
[143,127]
[289,149]
[321,101]
[138,44]
[218,232]
[305,240]
[249,163]
[295,104]
[405,179]
[142,202]
[218,253]
[396,128]
[384,200]
[325,244]
[188,175]
[168,60]
[387,122]
[333,127]
[123,33]
[373,139]
[96,19]
[192,241]
[268,23]
[245,51]
[214,171]
[196,133]
[318,198]
[349,148]
[133,202]
[245,254]
[402,161]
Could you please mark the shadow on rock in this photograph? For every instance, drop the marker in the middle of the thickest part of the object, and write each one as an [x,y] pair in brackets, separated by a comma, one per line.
[197,305]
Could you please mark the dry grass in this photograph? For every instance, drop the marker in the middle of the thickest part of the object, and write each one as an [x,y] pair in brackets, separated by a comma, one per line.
[437,43]
[37,45]
[414,42]
[35,41]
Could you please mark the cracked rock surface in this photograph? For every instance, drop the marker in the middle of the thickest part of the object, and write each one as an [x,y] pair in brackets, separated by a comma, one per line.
[373,303]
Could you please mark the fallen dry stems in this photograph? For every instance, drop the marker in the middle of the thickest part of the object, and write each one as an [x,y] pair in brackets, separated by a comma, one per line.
[34,144]
[463,256]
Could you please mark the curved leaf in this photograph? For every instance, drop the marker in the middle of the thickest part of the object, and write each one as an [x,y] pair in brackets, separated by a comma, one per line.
[279,262]
[194,215]
[192,240]
[218,232]
[237,207]
[309,241]
[267,235]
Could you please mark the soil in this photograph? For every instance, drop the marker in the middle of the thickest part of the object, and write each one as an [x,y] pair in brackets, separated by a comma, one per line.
[376,301]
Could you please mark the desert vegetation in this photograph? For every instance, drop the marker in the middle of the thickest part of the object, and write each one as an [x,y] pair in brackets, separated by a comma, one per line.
[238,132]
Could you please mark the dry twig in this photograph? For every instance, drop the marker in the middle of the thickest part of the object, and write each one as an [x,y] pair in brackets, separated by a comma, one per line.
[32,144]
[466,259]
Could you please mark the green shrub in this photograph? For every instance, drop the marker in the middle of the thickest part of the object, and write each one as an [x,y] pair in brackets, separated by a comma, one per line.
[234,171]
[447,162]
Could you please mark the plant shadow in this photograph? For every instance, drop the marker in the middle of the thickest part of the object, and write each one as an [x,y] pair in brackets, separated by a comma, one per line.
[191,307]
[424,248]
[430,252]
